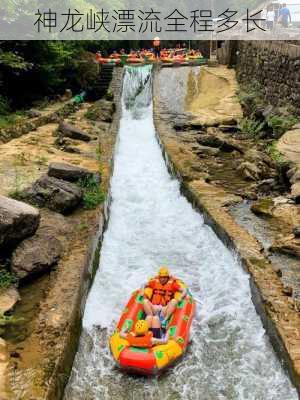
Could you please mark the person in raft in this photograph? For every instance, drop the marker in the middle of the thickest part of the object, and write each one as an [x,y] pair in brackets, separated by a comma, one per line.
[143,336]
[159,297]
[156,46]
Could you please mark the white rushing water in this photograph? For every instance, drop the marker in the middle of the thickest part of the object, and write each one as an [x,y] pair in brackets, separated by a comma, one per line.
[151,224]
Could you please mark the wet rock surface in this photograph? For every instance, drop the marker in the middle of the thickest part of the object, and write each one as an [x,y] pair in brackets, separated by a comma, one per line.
[55,194]
[17,221]
[287,245]
[36,255]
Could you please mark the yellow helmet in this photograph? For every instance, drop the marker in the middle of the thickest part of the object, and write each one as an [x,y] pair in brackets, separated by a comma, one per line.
[163,272]
[141,327]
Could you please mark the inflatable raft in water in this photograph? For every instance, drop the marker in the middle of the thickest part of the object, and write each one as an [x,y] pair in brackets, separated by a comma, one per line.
[154,360]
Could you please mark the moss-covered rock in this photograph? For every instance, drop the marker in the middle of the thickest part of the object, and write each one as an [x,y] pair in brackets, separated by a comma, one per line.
[263,207]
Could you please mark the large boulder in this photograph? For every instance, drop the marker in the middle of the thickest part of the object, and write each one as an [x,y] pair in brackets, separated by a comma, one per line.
[296,231]
[259,158]
[71,131]
[296,177]
[8,299]
[263,207]
[17,221]
[249,171]
[209,151]
[295,192]
[34,113]
[55,194]
[68,172]
[287,245]
[257,165]
[101,110]
[219,142]
[36,255]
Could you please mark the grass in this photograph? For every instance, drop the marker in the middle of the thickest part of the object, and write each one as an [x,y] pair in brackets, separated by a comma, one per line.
[20,160]
[16,192]
[92,193]
[109,95]
[82,227]
[7,279]
[275,154]
[251,127]
[42,160]
[98,152]
[280,124]
[92,113]
[8,120]
[280,119]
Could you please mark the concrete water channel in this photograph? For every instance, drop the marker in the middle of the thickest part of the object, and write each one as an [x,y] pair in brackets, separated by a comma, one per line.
[152,224]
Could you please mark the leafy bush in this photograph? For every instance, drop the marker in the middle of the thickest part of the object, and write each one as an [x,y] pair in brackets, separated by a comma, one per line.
[7,279]
[92,193]
[109,95]
[4,105]
[280,124]
[275,154]
[251,126]
[251,97]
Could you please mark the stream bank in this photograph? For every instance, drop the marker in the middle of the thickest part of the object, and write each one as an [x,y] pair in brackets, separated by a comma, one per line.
[41,347]
[212,161]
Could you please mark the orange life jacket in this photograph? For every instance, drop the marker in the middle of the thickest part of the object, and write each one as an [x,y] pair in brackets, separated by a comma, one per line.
[140,341]
[156,43]
[162,294]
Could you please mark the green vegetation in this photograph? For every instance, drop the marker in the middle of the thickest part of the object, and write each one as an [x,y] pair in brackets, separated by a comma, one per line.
[280,124]
[251,126]
[91,114]
[109,95]
[42,160]
[263,119]
[275,154]
[33,71]
[6,119]
[16,192]
[98,152]
[7,279]
[92,193]
[6,320]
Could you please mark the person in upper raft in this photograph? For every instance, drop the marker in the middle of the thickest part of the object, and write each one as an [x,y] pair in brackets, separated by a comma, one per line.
[159,295]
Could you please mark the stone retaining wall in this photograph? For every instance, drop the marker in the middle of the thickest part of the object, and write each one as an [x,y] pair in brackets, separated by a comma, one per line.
[274,64]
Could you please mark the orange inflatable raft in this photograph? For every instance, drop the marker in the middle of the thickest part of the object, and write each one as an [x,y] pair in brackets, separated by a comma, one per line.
[134,60]
[151,361]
